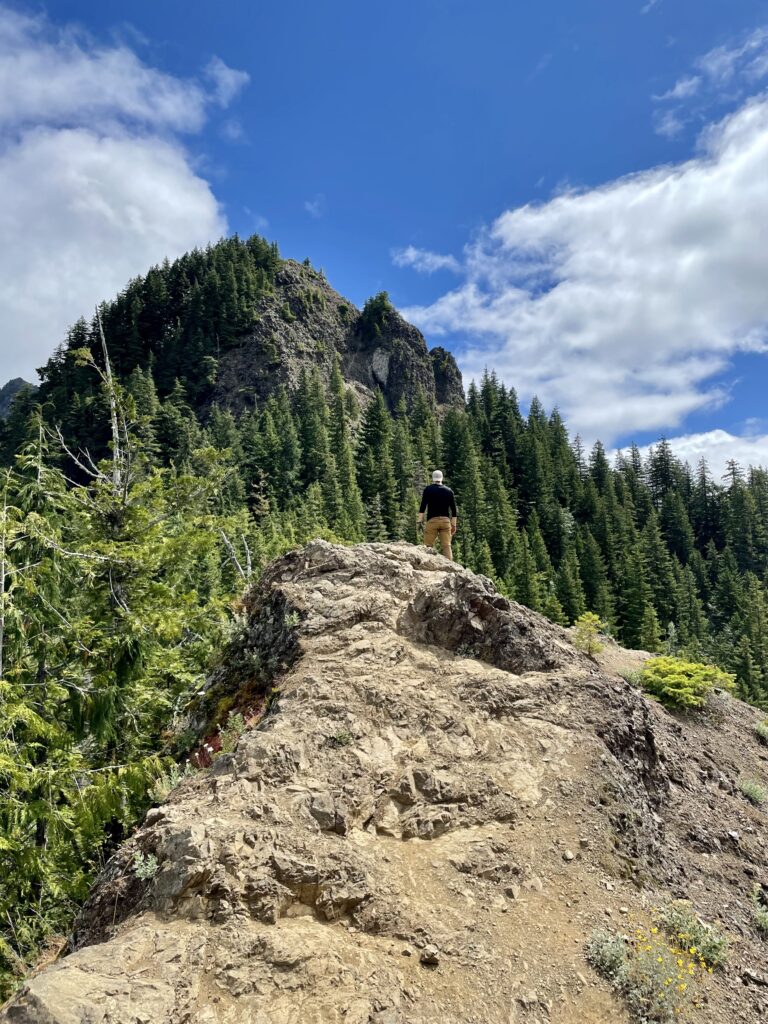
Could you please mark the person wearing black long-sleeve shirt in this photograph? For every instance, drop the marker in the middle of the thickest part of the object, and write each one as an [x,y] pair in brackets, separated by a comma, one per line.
[439,505]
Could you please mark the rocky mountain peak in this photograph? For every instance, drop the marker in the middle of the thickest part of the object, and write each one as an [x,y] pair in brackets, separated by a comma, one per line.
[9,391]
[441,801]
[304,324]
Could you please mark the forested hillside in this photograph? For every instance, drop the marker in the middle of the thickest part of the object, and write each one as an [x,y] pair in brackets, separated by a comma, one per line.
[136,509]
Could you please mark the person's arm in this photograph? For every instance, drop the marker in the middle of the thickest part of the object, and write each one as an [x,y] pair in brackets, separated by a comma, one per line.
[454,514]
[423,509]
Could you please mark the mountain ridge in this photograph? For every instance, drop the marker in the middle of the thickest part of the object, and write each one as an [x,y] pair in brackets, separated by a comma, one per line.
[441,803]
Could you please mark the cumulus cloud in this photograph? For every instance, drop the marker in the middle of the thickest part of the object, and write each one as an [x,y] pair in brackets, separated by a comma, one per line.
[622,304]
[424,261]
[85,213]
[718,447]
[95,184]
[48,78]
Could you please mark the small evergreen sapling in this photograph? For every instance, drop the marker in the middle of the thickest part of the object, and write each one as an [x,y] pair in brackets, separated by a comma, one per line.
[587,630]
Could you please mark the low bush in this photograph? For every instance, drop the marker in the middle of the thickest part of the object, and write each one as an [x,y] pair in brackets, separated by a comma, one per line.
[659,970]
[607,953]
[145,867]
[680,922]
[232,732]
[682,684]
[761,731]
[753,791]
[760,910]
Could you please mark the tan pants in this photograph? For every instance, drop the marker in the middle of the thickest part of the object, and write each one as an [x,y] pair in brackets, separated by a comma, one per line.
[440,527]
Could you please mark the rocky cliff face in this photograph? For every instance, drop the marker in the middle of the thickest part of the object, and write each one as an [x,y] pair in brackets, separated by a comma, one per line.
[9,391]
[442,802]
[305,324]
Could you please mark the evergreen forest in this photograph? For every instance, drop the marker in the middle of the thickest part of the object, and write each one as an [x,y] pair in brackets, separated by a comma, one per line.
[135,512]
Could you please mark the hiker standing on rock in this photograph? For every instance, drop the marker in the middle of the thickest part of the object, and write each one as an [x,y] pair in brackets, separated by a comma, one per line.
[440,506]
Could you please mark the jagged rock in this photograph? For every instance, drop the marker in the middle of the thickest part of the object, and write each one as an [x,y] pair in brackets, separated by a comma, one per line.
[304,325]
[413,796]
[430,956]
[9,391]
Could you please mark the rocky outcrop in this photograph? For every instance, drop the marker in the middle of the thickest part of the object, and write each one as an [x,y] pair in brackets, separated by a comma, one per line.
[305,325]
[9,391]
[443,801]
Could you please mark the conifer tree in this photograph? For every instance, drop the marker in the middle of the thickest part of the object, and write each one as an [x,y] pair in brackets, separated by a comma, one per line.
[570,592]
[352,524]
[650,632]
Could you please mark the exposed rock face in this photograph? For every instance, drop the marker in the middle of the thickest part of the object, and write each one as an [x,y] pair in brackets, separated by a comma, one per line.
[9,391]
[441,805]
[306,324]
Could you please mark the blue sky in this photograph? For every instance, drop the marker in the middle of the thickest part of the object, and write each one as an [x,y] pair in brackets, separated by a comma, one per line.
[469,157]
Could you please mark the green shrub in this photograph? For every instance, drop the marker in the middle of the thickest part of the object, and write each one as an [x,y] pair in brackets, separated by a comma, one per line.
[680,922]
[646,973]
[760,911]
[586,633]
[607,953]
[232,732]
[167,782]
[753,791]
[145,866]
[343,738]
[761,731]
[659,969]
[633,676]
[682,684]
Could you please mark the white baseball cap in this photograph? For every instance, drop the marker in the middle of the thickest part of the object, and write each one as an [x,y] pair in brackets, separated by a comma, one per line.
[437,476]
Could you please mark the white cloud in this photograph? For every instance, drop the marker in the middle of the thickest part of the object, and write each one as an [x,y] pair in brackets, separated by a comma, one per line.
[669,124]
[622,304]
[48,78]
[227,82]
[747,58]
[682,89]
[94,184]
[232,130]
[315,207]
[648,7]
[718,447]
[726,73]
[424,261]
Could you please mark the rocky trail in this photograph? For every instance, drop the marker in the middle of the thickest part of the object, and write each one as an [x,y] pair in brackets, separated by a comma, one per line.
[443,801]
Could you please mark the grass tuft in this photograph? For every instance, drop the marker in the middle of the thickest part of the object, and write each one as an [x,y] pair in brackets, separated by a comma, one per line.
[753,791]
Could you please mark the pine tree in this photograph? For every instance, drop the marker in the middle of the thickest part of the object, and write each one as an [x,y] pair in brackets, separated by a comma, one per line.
[633,599]
[650,633]
[352,523]
[525,577]
[376,473]
[570,592]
